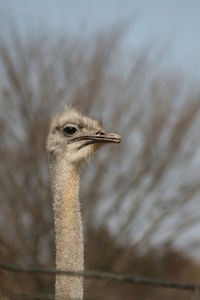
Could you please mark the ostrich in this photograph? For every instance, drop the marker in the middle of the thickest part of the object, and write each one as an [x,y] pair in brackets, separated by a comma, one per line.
[72,139]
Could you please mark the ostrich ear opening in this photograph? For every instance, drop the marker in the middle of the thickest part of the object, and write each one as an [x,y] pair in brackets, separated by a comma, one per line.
[51,155]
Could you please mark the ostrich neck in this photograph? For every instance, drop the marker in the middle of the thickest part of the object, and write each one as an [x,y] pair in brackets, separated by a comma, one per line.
[68,229]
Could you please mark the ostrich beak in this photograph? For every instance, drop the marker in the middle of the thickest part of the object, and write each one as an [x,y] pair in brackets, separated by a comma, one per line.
[99,137]
[108,137]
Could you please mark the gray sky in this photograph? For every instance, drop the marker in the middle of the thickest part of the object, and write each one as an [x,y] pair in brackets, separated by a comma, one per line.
[175,23]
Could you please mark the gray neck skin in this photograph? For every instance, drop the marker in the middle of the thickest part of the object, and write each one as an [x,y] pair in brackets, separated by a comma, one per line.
[68,228]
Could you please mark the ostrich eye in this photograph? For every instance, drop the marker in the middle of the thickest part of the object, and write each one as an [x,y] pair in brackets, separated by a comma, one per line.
[69,130]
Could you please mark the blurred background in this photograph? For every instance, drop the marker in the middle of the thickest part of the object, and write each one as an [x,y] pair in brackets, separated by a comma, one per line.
[136,65]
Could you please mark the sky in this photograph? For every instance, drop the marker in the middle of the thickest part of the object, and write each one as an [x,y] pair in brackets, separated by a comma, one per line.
[172,24]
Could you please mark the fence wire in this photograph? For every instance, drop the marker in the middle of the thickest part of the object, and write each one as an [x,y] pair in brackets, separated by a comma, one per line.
[106,276]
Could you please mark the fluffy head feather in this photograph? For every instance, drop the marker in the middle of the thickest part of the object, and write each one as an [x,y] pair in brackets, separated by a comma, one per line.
[76,137]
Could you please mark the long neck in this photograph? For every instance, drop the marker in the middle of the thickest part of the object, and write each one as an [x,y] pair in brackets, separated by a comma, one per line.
[68,229]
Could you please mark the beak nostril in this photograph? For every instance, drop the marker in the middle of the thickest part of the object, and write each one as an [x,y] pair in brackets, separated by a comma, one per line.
[100,132]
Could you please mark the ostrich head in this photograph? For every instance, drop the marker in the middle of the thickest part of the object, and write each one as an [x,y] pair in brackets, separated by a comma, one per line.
[75,137]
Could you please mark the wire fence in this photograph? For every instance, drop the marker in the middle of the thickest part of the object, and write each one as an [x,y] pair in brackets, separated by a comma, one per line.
[106,276]
[95,275]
